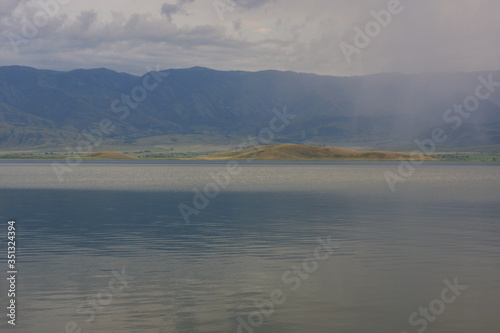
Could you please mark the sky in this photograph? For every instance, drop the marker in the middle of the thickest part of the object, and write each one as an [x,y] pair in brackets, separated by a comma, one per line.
[327,37]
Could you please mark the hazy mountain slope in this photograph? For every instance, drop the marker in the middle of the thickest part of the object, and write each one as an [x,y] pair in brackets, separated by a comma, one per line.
[50,108]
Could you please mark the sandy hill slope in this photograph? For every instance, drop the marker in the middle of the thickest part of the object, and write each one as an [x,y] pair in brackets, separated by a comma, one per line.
[109,155]
[307,152]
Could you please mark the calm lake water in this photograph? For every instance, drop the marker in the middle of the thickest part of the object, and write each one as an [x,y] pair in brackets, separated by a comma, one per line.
[250,259]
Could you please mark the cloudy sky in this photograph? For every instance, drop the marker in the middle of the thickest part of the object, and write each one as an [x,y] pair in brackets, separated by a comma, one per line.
[330,37]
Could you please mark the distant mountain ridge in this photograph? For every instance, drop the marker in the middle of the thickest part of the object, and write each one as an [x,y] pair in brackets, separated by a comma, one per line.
[45,108]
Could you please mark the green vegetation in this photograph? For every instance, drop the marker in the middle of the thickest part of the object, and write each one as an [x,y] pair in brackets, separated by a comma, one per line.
[468,156]
[37,156]
[109,155]
[146,154]
[173,155]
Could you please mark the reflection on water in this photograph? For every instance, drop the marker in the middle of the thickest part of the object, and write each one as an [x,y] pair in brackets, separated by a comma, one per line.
[395,249]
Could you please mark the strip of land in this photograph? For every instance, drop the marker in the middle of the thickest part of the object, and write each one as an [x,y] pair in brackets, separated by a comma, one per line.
[284,152]
[298,152]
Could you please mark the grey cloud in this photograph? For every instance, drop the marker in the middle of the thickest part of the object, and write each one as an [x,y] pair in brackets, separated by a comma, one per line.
[139,31]
[448,35]
[86,19]
[8,7]
[168,10]
[237,25]
[251,4]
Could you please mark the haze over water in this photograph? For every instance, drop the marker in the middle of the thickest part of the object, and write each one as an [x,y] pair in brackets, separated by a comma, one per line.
[395,250]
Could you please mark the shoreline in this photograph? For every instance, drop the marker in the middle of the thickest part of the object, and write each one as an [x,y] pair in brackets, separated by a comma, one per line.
[58,158]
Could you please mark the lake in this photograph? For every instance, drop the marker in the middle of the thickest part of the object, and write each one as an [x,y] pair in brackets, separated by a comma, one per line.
[175,246]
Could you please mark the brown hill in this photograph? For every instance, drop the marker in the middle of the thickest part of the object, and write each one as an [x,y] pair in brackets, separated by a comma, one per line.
[290,151]
[109,155]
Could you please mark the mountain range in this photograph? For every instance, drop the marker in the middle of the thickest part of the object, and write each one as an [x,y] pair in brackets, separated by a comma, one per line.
[45,109]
